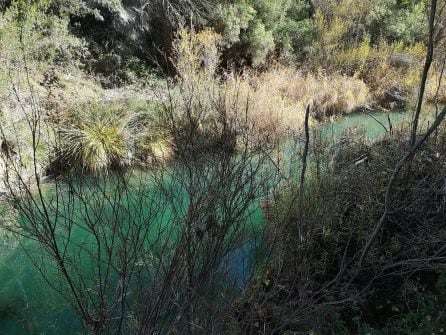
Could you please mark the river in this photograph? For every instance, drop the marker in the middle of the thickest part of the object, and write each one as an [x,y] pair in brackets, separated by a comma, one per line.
[29,306]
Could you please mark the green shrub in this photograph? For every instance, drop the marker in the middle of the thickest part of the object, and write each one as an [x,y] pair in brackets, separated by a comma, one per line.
[42,36]
[293,37]
[256,30]
[260,43]
[134,69]
[234,19]
[317,233]
[420,312]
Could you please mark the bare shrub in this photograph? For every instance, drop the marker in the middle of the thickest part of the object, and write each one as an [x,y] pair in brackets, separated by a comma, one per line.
[150,250]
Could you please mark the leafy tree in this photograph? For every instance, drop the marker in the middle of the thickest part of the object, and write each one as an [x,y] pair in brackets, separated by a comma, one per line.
[256,29]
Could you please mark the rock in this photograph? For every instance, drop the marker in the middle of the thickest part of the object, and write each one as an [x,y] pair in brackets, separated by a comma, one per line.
[394,97]
[108,63]
[401,60]
[4,192]
[47,179]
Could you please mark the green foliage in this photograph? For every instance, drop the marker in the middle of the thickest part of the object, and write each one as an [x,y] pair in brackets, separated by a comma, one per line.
[257,29]
[135,69]
[316,231]
[81,8]
[363,39]
[293,36]
[421,312]
[28,31]
[235,18]
[389,19]
[408,24]
[260,43]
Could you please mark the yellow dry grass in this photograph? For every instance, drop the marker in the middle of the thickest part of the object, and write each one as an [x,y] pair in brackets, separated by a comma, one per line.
[436,87]
[329,95]
[269,103]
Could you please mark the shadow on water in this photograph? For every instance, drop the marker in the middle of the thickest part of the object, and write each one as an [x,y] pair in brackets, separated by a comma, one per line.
[29,306]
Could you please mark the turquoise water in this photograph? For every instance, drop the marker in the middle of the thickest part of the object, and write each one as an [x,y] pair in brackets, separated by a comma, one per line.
[29,306]
[374,124]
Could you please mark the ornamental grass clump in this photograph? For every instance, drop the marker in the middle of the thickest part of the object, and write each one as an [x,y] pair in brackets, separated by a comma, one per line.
[96,139]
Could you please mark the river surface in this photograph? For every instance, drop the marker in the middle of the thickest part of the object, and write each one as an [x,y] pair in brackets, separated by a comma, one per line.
[29,306]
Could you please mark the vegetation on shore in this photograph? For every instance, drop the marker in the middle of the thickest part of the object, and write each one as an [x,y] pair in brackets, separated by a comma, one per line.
[313,282]
[344,62]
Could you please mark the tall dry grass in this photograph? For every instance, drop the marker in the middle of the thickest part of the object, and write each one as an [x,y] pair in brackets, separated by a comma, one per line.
[436,85]
[387,67]
[391,69]
[330,95]
[275,100]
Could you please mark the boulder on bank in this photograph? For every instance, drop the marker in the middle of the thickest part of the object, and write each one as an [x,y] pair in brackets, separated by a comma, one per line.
[394,97]
[401,60]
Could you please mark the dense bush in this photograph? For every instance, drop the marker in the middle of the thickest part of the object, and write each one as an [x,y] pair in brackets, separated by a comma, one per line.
[391,20]
[317,234]
[260,29]
[32,32]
